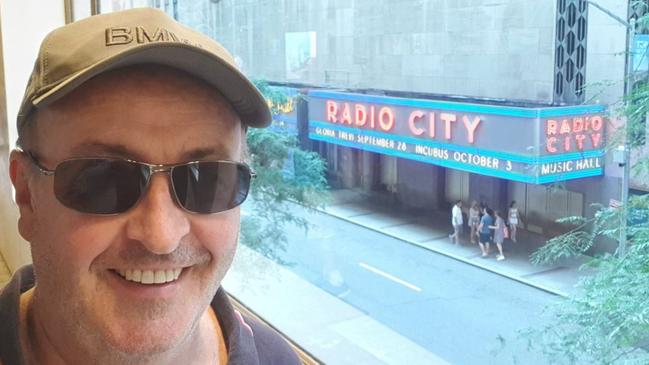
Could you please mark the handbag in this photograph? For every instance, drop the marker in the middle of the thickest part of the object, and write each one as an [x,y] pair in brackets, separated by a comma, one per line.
[506,230]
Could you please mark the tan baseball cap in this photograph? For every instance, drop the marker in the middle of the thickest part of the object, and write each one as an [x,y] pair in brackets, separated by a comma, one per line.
[76,52]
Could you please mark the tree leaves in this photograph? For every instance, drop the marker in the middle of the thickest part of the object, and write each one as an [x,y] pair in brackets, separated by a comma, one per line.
[286,175]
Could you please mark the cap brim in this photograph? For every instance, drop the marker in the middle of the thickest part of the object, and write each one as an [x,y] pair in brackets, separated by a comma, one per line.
[244,97]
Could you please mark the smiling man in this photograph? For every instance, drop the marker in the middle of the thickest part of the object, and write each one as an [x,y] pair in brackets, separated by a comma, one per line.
[128,180]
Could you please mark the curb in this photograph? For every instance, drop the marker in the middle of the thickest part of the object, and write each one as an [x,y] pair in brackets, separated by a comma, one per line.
[455,257]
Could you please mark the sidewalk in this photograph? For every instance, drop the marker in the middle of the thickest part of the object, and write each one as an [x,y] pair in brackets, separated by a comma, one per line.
[431,232]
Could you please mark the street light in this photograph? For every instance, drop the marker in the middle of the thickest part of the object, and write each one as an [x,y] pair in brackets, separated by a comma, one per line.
[626,150]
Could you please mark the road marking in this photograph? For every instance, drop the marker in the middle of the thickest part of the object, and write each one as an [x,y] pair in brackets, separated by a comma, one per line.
[388,276]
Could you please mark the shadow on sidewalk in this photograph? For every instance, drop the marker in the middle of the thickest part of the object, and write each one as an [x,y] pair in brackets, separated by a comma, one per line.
[431,230]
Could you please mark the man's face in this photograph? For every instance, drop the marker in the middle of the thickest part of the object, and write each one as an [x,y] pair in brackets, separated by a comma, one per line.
[158,117]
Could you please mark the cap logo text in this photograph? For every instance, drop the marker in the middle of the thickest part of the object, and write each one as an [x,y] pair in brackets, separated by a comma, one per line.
[123,35]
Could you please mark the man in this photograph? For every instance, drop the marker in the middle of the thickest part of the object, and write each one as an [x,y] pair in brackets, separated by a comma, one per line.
[484,231]
[128,183]
[457,221]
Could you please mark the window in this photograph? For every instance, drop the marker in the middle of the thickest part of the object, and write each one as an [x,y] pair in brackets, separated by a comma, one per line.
[463,89]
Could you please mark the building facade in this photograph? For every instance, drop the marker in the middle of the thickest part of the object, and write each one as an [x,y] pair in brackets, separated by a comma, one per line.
[487,101]
[520,70]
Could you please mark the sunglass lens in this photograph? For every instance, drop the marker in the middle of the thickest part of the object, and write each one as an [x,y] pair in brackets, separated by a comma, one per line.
[99,186]
[211,187]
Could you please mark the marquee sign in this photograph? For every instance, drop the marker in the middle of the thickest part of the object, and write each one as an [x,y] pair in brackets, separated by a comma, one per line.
[531,145]
[285,117]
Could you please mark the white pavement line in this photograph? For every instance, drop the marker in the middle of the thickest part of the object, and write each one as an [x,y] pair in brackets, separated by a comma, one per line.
[547,288]
[388,276]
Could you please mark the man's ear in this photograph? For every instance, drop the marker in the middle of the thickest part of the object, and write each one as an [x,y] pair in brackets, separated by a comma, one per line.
[19,172]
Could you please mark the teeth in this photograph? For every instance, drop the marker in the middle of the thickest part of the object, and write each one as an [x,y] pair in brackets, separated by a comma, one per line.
[137,276]
[147,277]
[150,276]
[160,277]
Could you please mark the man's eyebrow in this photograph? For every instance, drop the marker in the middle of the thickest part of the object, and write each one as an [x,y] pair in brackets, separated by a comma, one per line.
[118,150]
[100,149]
[201,153]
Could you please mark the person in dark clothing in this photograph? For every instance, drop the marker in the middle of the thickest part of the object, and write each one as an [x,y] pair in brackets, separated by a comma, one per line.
[128,179]
[484,231]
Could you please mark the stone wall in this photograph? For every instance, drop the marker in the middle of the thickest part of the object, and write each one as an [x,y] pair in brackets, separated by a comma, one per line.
[480,48]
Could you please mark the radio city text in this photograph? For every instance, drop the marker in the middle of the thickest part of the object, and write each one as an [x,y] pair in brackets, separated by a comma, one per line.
[420,123]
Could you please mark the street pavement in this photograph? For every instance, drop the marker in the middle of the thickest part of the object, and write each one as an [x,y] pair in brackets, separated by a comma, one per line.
[429,231]
[354,295]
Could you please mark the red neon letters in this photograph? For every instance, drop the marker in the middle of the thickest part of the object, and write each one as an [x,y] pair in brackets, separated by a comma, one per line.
[383,118]
[420,123]
[571,134]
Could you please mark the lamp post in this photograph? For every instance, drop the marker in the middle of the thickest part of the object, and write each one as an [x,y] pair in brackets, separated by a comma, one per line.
[626,150]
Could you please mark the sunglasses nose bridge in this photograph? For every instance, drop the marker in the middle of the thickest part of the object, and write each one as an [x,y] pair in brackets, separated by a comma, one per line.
[159,168]
[168,169]
[154,169]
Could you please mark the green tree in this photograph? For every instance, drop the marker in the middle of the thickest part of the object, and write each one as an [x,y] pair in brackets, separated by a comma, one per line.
[607,321]
[285,175]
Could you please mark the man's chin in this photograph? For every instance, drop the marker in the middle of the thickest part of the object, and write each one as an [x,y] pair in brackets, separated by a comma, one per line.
[144,345]
[146,339]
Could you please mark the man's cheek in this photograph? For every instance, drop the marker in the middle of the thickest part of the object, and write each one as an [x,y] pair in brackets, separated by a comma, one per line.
[90,236]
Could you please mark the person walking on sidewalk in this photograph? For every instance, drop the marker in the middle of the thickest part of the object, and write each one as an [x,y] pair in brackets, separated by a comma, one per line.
[512,217]
[484,231]
[457,221]
[499,234]
[474,220]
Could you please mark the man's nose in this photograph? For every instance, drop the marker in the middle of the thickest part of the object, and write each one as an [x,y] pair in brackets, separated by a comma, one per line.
[157,222]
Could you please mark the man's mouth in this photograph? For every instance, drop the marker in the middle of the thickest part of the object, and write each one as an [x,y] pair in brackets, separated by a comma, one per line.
[150,277]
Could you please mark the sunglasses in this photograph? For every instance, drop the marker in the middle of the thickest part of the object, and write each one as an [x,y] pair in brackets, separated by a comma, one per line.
[112,186]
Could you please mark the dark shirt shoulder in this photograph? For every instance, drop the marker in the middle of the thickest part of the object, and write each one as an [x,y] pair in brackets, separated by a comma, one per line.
[271,347]
[10,350]
[249,341]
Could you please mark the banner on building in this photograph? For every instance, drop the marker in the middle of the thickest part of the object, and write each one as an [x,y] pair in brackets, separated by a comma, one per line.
[531,145]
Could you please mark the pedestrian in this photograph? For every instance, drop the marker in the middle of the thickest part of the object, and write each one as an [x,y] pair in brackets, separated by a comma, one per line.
[491,230]
[499,234]
[513,220]
[457,221]
[129,176]
[474,220]
[484,231]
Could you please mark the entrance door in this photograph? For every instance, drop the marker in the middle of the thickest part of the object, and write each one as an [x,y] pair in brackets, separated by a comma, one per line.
[540,206]
[457,186]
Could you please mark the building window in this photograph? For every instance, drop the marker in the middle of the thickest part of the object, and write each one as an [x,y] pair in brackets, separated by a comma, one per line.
[570,51]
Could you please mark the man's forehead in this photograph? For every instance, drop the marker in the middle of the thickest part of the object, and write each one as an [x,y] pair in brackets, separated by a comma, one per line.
[185,153]
[128,112]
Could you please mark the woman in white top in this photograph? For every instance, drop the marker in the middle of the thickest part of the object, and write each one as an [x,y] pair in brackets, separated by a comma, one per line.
[457,221]
[474,220]
[512,217]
